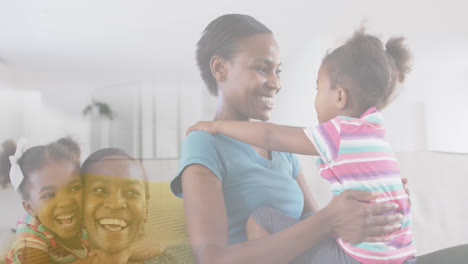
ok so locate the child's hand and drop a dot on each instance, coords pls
(208, 126)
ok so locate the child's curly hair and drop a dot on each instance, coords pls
(367, 69)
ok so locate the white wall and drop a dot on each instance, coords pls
(437, 183)
(26, 113)
(429, 112)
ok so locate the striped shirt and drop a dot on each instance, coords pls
(32, 234)
(354, 155)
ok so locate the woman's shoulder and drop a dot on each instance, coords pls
(201, 140)
(287, 156)
(199, 137)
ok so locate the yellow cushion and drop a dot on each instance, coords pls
(166, 224)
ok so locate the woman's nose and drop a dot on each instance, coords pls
(274, 83)
(115, 201)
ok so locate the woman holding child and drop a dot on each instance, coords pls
(224, 180)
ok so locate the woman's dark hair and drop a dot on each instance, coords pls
(367, 69)
(35, 158)
(221, 38)
(103, 153)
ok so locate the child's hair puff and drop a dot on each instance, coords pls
(8, 149)
(367, 69)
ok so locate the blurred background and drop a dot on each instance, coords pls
(123, 74)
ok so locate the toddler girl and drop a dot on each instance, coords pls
(49, 182)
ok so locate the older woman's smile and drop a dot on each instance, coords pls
(113, 224)
(114, 203)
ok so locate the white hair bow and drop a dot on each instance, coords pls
(16, 175)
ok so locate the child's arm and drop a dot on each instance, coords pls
(36, 256)
(33, 256)
(262, 134)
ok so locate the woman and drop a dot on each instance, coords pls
(223, 180)
(115, 206)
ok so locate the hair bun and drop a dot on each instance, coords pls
(71, 145)
(8, 149)
(397, 49)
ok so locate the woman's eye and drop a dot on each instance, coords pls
(48, 196)
(133, 193)
(99, 190)
(75, 188)
(278, 72)
(262, 69)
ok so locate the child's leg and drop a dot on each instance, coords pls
(254, 230)
(264, 221)
(327, 251)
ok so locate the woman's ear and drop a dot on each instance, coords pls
(29, 208)
(341, 98)
(145, 219)
(218, 68)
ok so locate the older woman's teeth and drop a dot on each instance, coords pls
(113, 224)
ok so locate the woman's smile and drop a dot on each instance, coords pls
(113, 224)
(268, 101)
(252, 80)
(114, 203)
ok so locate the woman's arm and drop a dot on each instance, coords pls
(207, 224)
(261, 134)
(142, 249)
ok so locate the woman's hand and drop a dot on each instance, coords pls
(99, 257)
(208, 126)
(405, 185)
(355, 220)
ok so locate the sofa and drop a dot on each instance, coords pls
(165, 224)
(437, 183)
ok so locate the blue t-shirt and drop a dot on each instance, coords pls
(249, 181)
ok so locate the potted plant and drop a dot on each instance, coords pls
(101, 116)
(102, 108)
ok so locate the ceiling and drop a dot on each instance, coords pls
(91, 39)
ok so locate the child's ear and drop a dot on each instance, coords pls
(341, 98)
(218, 68)
(29, 208)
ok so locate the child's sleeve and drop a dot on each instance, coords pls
(26, 237)
(326, 139)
